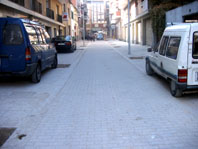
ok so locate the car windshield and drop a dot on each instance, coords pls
(68, 38)
(60, 38)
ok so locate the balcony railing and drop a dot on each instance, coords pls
(59, 18)
(20, 2)
(49, 13)
(36, 6)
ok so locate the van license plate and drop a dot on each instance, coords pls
(196, 76)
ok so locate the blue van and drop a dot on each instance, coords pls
(25, 49)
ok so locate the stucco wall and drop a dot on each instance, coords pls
(176, 15)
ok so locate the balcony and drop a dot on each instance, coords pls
(36, 6)
(59, 18)
(49, 13)
(20, 2)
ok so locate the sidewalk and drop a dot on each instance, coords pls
(79, 44)
(122, 47)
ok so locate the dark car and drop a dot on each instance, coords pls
(64, 43)
(24, 49)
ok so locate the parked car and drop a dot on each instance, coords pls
(24, 49)
(100, 36)
(176, 58)
(64, 43)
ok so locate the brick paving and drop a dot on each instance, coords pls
(108, 103)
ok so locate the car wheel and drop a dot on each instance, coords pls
(36, 76)
(55, 63)
(175, 91)
(149, 70)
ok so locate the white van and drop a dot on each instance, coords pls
(176, 58)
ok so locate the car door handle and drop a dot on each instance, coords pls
(4, 56)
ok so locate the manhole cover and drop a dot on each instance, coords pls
(137, 57)
(63, 65)
(5, 133)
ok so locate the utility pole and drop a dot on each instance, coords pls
(83, 25)
(129, 39)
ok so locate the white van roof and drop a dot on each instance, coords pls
(184, 27)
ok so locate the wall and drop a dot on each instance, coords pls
(176, 15)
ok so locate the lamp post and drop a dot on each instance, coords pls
(129, 37)
(83, 25)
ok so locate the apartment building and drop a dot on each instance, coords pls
(46, 12)
(115, 15)
(141, 24)
(140, 21)
(96, 16)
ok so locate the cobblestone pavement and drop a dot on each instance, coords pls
(109, 103)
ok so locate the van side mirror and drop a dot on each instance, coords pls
(149, 50)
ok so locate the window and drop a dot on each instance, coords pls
(173, 47)
(163, 45)
(20, 2)
(72, 15)
(39, 36)
(55, 33)
(12, 34)
(47, 3)
(195, 45)
(40, 8)
(57, 9)
(68, 12)
(32, 34)
(64, 7)
(47, 36)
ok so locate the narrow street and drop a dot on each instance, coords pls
(103, 100)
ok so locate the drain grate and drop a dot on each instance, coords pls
(137, 57)
(63, 65)
(5, 133)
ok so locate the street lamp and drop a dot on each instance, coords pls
(129, 44)
(83, 25)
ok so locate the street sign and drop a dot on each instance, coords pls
(65, 16)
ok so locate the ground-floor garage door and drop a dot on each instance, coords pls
(149, 33)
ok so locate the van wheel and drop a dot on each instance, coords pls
(149, 70)
(55, 62)
(36, 76)
(175, 91)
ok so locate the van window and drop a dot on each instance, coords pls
(195, 45)
(173, 47)
(163, 45)
(32, 34)
(12, 35)
(46, 34)
(43, 36)
(39, 35)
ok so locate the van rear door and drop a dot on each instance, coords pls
(193, 56)
(12, 46)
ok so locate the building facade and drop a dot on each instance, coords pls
(96, 16)
(46, 12)
(186, 13)
(140, 21)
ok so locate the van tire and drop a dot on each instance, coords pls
(149, 70)
(175, 91)
(55, 62)
(36, 76)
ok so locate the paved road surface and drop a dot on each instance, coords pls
(104, 101)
